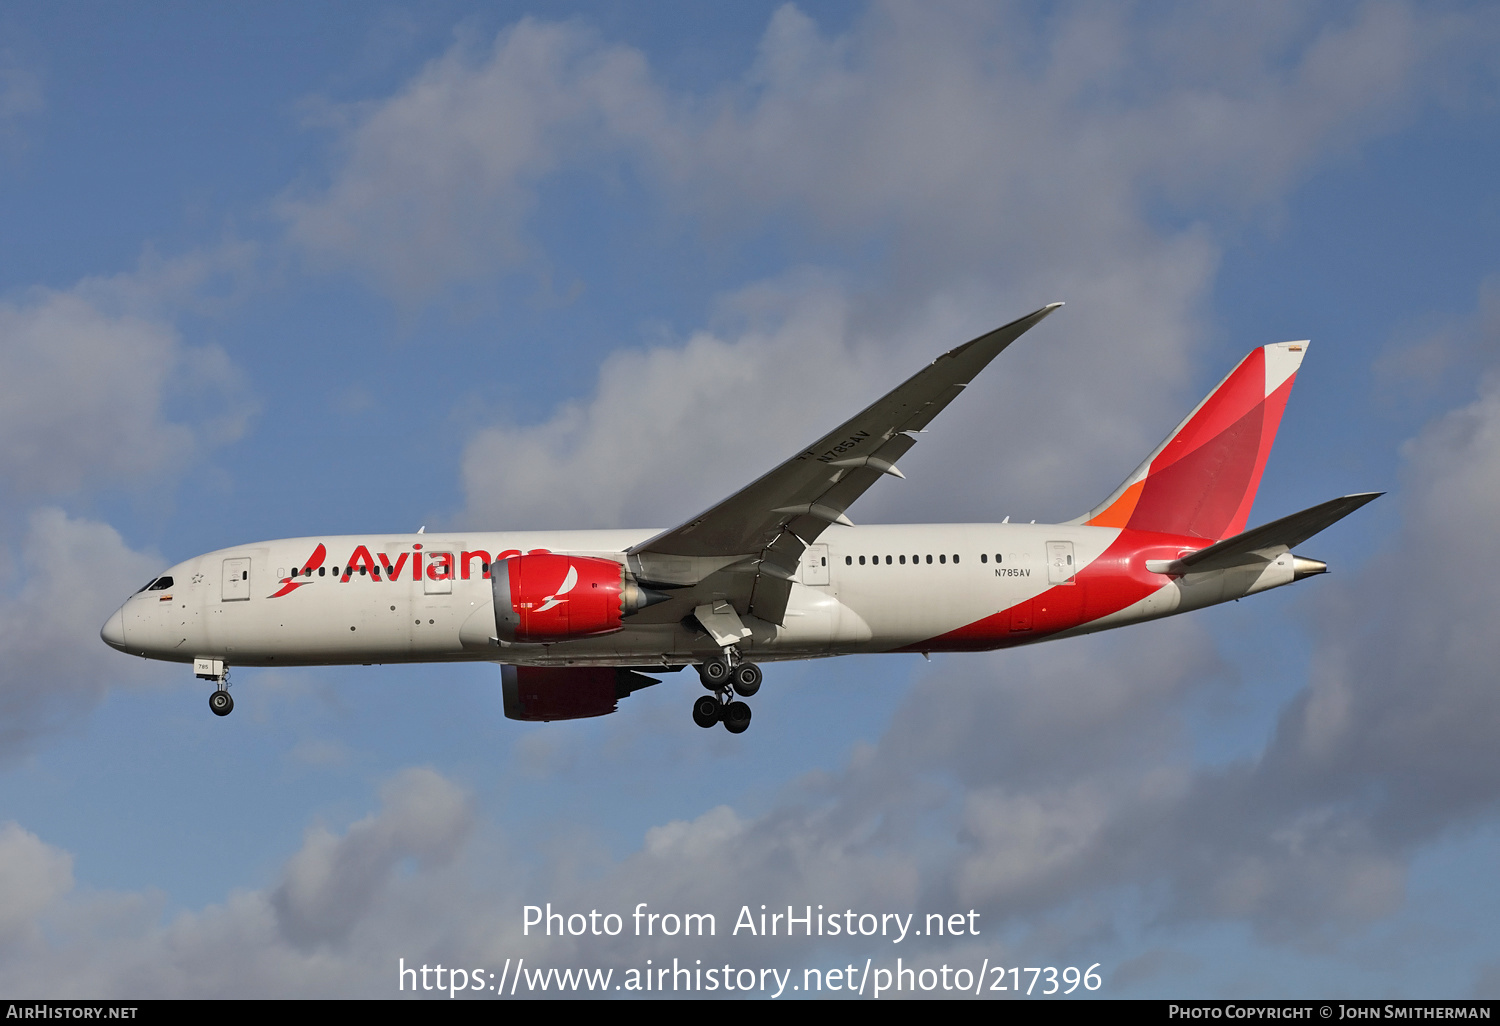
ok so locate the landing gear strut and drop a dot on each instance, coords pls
(722, 675)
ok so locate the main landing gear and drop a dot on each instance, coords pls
(721, 675)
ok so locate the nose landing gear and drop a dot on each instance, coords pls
(219, 701)
(721, 675)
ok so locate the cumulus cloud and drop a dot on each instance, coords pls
(436, 182)
(70, 575)
(671, 428)
(1009, 163)
(33, 875)
(977, 135)
(329, 884)
(301, 937)
(1406, 696)
(99, 393)
(98, 389)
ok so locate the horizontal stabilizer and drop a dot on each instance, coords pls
(1263, 544)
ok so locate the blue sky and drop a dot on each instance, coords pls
(287, 270)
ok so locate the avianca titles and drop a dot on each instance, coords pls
(578, 620)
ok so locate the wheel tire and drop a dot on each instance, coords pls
(714, 673)
(736, 717)
(706, 711)
(221, 702)
(747, 679)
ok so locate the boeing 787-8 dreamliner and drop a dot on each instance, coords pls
(579, 619)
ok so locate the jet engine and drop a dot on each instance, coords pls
(542, 693)
(547, 596)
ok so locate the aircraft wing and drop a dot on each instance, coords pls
(1264, 543)
(761, 531)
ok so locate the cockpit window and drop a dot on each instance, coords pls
(160, 584)
(147, 585)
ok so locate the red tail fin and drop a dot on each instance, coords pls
(1202, 480)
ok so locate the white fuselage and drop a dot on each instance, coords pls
(863, 589)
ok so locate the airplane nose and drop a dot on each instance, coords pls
(113, 631)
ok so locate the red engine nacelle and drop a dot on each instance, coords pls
(546, 596)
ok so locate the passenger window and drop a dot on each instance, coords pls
(955, 557)
(903, 560)
(942, 558)
(997, 557)
(861, 560)
(887, 560)
(848, 560)
(929, 558)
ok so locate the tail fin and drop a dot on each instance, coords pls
(1202, 480)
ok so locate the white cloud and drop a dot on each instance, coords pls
(301, 938)
(71, 574)
(329, 884)
(436, 182)
(32, 876)
(975, 133)
(98, 390)
(671, 429)
(98, 394)
(987, 150)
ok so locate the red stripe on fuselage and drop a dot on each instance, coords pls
(1114, 581)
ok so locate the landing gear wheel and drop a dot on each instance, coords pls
(736, 717)
(706, 711)
(221, 702)
(746, 679)
(714, 673)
